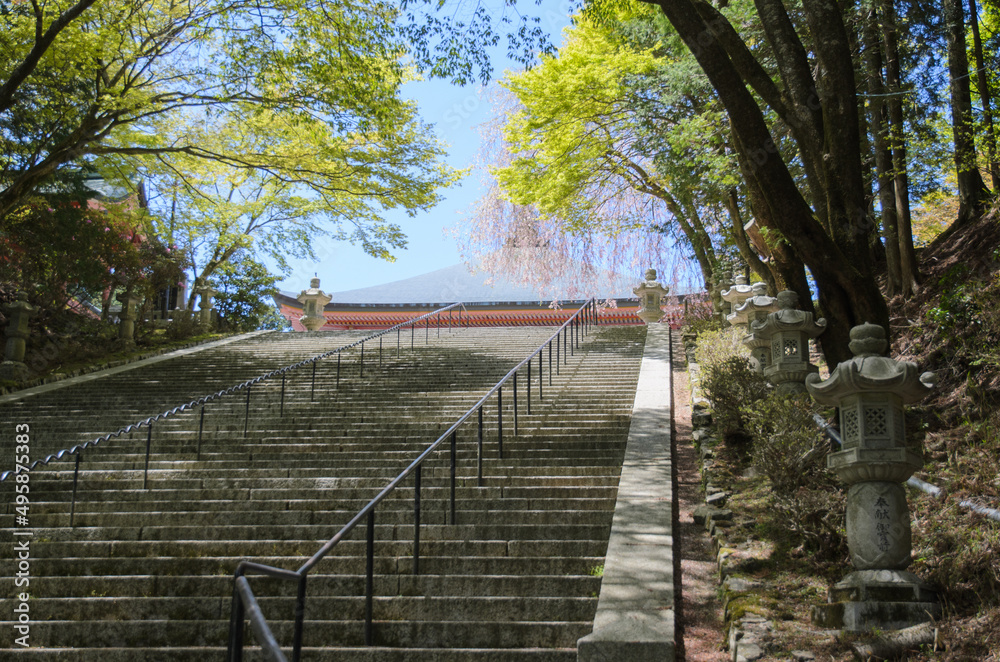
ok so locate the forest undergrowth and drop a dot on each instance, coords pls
(789, 508)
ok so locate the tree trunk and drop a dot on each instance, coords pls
(883, 154)
(743, 244)
(842, 269)
(972, 191)
(908, 265)
(982, 82)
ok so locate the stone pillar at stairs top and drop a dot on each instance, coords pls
(650, 293)
(313, 301)
(870, 391)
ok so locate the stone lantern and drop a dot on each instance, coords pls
(206, 292)
(650, 294)
(18, 312)
(737, 293)
(756, 309)
(870, 391)
(313, 301)
(126, 318)
(788, 330)
(723, 281)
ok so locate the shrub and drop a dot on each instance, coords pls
(789, 448)
(790, 451)
(716, 346)
(184, 325)
(729, 386)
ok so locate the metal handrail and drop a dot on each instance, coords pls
(148, 422)
(579, 322)
(913, 481)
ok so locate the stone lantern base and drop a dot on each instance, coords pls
(313, 322)
(883, 599)
(14, 371)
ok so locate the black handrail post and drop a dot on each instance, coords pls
(149, 441)
(416, 520)
(246, 420)
(282, 395)
(450, 311)
(398, 330)
(413, 327)
(454, 460)
(500, 421)
(558, 352)
(338, 369)
(76, 476)
(515, 403)
(201, 428)
(541, 376)
(479, 454)
(369, 577)
(362, 373)
(380, 351)
(427, 331)
(312, 392)
(439, 324)
(527, 387)
(300, 616)
(550, 363)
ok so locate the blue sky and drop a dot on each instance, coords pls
(455, 113)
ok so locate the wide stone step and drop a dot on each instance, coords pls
(402, 502)
(152, 633)
(320, 583)
(382, 532)
(389, 608)
(309, 654)
(384, 565)
(302, 549)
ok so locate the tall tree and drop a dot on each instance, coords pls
(109, 81)
(817, 101)
(985, 97)
(614, 129)
(908, 267)
(972, 191)
(879, 125)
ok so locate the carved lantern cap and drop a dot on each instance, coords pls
(315, 294)
(20, 305)
(739, 291)
(650, 285)
(758, 302)
(788, 318)
(870, 372)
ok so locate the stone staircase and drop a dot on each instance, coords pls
(147, 574)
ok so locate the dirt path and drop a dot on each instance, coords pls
(700, 617)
